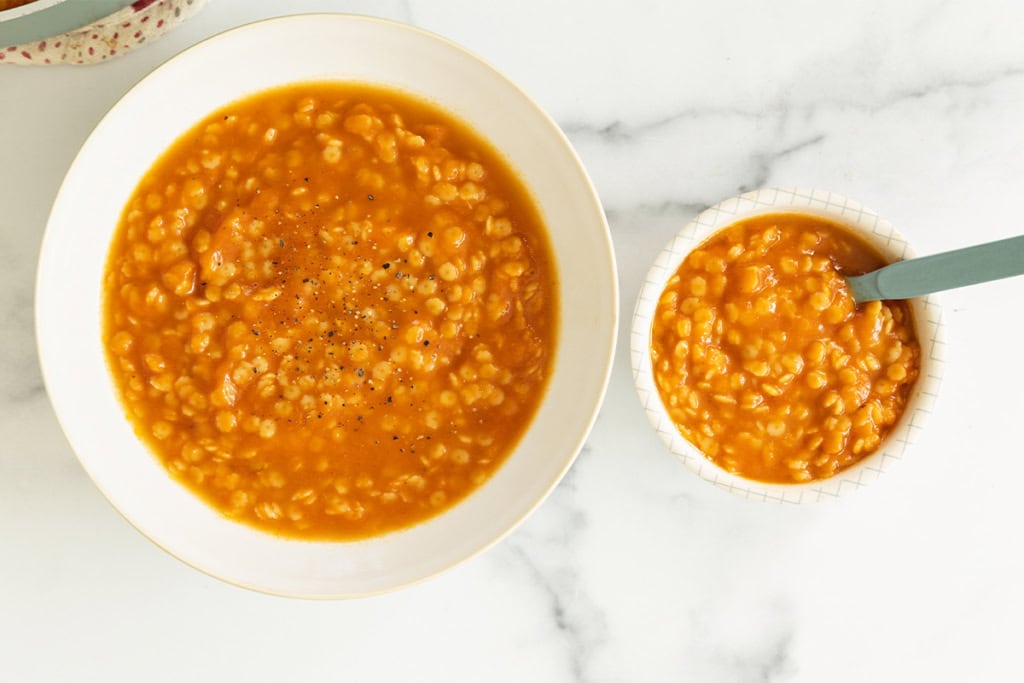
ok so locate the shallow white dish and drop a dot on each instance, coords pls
(838, 209)
(143, 124)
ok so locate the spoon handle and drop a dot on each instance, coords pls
(38, 23)
(948, 270)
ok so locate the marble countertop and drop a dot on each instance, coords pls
(634, 569)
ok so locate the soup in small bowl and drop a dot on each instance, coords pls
(756, 365)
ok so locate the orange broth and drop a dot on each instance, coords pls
(765, 363)
(330, 310)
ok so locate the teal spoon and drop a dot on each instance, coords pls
(29, 25)
(949, 270)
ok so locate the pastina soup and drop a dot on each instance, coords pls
(330, 310)
(764, 362)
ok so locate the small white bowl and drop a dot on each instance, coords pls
(167, 103)
(837, 209)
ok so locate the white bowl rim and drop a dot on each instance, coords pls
(606, 357)
(860, 220)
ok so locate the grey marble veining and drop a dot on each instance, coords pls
(633, 569)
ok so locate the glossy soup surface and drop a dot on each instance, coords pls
(11, 4)
(330, 310)
(764, 362)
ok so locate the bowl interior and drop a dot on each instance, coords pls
(837, 209)
(144, 123)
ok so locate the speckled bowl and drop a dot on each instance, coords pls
(166, 104)
(838, 209)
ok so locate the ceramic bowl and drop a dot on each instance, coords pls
(837, 209)
(167, 103)
(43, 18)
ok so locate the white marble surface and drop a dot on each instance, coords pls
(635, 569)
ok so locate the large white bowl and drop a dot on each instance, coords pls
(163, 106)
(877, 232)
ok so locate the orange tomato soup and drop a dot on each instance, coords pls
(765, 363)
(330, 310)
(11, 4)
